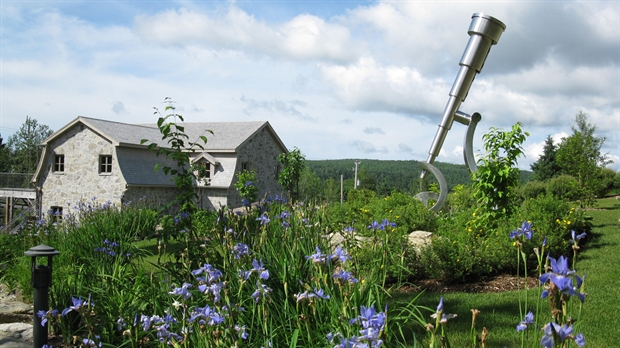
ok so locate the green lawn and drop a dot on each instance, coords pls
(599, 259)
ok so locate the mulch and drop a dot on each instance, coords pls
(499, 283)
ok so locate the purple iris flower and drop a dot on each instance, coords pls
(374, 226)
(340, 254)
(183, 290)
(264, 219)
(212, 274)
(554, 333)
(440, 305)
(317, 257)
(240, 250)
(259, 267)
(524, 230)
(261, 291)
(78, 303)
(562, 277)
(529, 319)
(345, 276)
(576, 237)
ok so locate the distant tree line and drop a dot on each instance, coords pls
(321, 178)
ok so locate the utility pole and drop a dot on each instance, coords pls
(341, 189)
(355, 182)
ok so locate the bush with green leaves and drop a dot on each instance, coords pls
(460, 198)
(462, 251)
(533, 189)
(564, 187)
(557, 218)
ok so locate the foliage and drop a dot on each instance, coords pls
(564, 187)
(310, 186)
(179, 151)
(463, 251)
(266, 278)
(497, 175)
(546, 167)
(387, 175)
(579, 155)
(5, 157)
(246, 186)
(606, 181)
(24, 145)
(294, 162)
(533, 189)
(460, 199)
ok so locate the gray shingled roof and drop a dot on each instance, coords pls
(227, 136)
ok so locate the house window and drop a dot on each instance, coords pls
(245, 166)
(59, 163)
(105, 164)
(55, 213)
(205, 171)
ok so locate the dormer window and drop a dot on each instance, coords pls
(59, 164)
(204, 166)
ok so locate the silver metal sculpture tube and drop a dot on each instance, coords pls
(484, 31)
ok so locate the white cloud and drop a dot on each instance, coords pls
(366, 85)
(304, 37)
(373, 130)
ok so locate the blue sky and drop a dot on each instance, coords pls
(337, 79)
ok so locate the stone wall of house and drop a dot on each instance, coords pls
(261, 154)
(155, 197)
(81, 180)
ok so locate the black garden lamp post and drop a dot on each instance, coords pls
(41, 282)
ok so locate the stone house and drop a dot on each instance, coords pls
(97, 158)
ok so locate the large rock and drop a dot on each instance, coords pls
(17, 331)
(420, 239)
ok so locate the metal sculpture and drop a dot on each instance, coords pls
(484, 31)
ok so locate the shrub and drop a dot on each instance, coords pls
(461, 198)
(464, 252)
(564, 187)
(533, 189)
(554, 218)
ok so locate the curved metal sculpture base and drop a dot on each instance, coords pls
(426, 196)
(468, 143)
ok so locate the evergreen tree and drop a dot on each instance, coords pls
(546, 167)
(5, 157)
(579, 155)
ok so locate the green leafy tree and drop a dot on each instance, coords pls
(178, 150)
(546, 167)
(294, 163)
(246, 186)
(310, 186)
(497, 177)
(24, 145)
(579, 155)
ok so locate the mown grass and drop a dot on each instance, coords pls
(599, 259)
